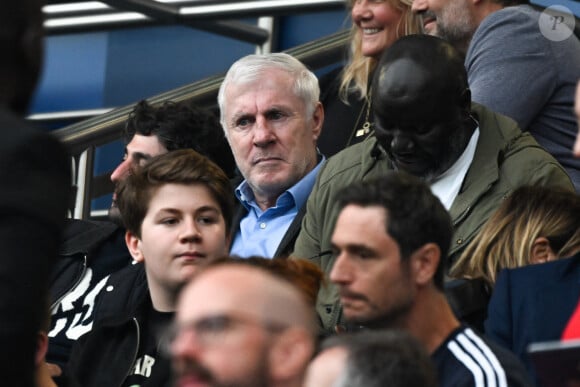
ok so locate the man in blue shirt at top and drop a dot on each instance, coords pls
(272, 117)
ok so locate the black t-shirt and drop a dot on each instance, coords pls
(151, 367)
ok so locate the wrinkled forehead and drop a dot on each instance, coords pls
(259, 76)
(408, 91)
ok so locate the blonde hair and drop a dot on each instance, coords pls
(355, 76)
(506, 240)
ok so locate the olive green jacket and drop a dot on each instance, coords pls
(505, 158)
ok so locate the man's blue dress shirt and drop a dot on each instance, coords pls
(261, 232)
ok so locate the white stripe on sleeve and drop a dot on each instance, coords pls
(490, 356)
(467, 362)
(480, 359)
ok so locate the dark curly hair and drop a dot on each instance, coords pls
(182, 125)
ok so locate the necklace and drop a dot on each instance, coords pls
(367, 126)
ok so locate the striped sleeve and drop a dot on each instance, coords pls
(477, 357)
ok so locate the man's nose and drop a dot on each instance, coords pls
(121, 171)
(263, 133)
(189, 231)
(341, 271)
(185, 346)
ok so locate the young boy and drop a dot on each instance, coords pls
(177, 210)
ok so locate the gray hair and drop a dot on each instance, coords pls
(249, 68)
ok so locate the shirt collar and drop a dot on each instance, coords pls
(299, 192)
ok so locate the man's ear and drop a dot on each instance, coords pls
(424, 263)
(317, 120)
(134, 246)
(541, 251)
(289, 355)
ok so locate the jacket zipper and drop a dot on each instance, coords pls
(135, 353)
(77, 282)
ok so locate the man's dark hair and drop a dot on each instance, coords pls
(414, 216)
(384, 358)
(182, 125)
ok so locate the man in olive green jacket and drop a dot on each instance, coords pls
(426, 125)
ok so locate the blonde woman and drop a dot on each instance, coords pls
(376, 25)
(533, 225)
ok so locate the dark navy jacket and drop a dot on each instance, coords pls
(533, 304)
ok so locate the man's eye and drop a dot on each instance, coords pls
(169, 221)
(275, 116)
(213, 325)
(207, 220)
(243, 122)
(365, 254)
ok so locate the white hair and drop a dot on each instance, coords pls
(250, 68)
